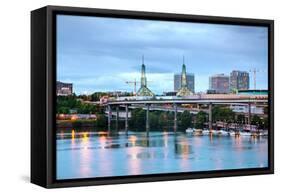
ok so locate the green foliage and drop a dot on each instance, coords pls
(101, 120)
(222, 114)
(154, 120)
(159, 119)
(138, 117)
(67, 103)
(240, 119)
(77, 124)
(185, 119)
(261, 122)
(163, 119)
(97, 95)
(200, 119)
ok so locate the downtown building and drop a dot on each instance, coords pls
(219, 84)
(190, 82)
(64, 89)
(239, 80)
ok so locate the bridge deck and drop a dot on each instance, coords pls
(189, 101)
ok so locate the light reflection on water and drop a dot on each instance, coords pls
(98, 154)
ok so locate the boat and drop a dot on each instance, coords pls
(198, 132)
(189, 130)
(223, 132)
(263, 133)
(245, 133)
(233, 133)
(206, 132)
(214, 132)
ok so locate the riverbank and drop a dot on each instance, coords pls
(77, 123)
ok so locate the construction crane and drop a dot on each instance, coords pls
(255, 71)
(135, 85)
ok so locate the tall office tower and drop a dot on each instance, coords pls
(219, 83)
(239, 80)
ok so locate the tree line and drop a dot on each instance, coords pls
(157, 119)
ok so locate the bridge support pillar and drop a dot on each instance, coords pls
(109, 117)
(210, 117)
(147, 120)
(117, 117)
(175, 118)
(249, 115)
(126, 120)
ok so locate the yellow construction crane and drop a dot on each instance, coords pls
(135, 85)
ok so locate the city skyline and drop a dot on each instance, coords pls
(87, 43)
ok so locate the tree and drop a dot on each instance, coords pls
(264, 123)
(138, 118)
(240, 119)
(163, 119)
(101, 120)
(67, 103)
(97, 95)
(201, 118)
(222, 114)
(154, 120)
(185, 120)
(260, 122)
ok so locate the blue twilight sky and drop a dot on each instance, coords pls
(101, 54)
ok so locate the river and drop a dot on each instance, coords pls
(97, 154)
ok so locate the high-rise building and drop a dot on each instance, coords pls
(219, 83)
(64, 89)
(190, 82)
(239, 80)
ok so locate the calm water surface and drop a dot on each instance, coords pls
(88, 154)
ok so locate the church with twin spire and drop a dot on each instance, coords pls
(145, 91)
(184, 91)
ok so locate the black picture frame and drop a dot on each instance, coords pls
(43, 98)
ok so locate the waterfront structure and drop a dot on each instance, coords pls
(239, 80)
(172, 93)
(258, 110)
(184, 91)
(219, 83)
(144, 91)
(190, 82)
(215, 99)
(64, 89)
(253, 92)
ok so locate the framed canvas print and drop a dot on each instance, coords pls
(125, 96)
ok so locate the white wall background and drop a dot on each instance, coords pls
(15, 94)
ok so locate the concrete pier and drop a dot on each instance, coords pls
(109, 117)
(147, 119)
(175, 118)
(210, 117)
(249, 115)
(126, 120)
(117, 117)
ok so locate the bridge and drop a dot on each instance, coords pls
(210, 100)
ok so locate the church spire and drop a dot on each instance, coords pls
(184, 91)
(183, 76)
(143, 76)
(144, 91)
